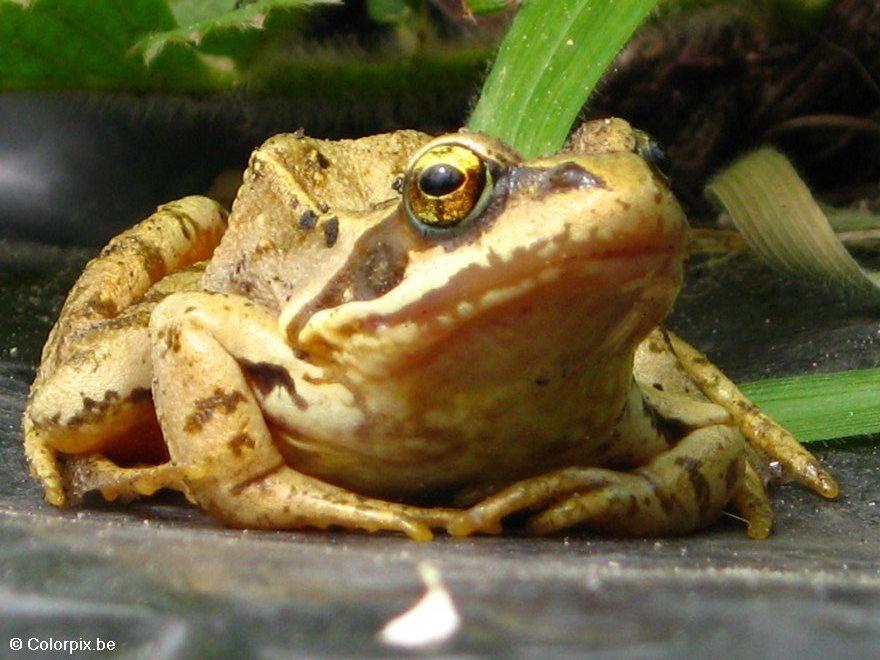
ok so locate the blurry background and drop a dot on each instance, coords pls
(105, 112)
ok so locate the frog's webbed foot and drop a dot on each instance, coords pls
(210, 416)
(767, 438)
(680, 490)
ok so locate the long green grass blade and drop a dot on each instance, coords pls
(822, 406)
(548, 63)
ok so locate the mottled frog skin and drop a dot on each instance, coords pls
(405, 333)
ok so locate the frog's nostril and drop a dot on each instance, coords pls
(653, 154)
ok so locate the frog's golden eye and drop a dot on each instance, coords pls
(446, 186)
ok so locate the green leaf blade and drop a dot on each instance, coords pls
(231, 31)
(779, 218)
(819, 407)
(548, 64)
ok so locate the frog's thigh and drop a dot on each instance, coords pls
(93, 382)
(98, 399)
(680, 490)
(762, 433)
(213, 422)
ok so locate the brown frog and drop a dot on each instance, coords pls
(406, 333)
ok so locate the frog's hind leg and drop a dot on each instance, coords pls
(765, 436)
(212, 419)
(93, 384)
(682, 489)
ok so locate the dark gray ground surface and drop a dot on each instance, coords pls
(161, 580)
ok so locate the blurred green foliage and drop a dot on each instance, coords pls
(170, 45)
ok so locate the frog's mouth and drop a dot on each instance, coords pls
(398, 328)
(470, 294)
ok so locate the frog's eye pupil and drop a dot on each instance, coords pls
(439, 180)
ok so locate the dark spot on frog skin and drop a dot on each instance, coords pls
(656, 346)
(150, 256)
(398, 184)
(185, 223)
(239, 442)
(102, 306)
(658, 387)
(93, 406)
(323, 207)
(541, 381)
(308, 220)
(382, 269)
(204, 408)
(701, 488)
(331, 232)
(131, 319)
(671, 429)
(732, 476)
(571, 175)
(323, 163)
(94, 409)
(633, 508)
(266, 377)
(542, 181)
(658, 489)
(170, 337)
(238, 489)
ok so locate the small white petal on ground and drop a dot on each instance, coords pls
(431, 621)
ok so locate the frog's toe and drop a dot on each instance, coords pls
(529, 494)
(617, 506)
(682, 489)
(753, 504)
(93, 472)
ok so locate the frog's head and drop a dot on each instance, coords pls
(504, 261)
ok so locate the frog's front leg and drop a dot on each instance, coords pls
(213, 356)
(764, 435)
(680, 490)
(91, 472)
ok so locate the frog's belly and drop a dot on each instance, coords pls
(433, 465)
